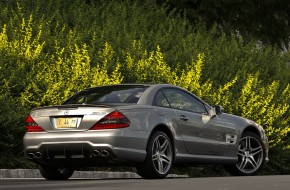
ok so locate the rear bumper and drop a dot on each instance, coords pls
(86, 148)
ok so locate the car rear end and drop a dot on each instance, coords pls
(90, 129)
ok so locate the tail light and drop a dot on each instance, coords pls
(113, 120)
(31, 125)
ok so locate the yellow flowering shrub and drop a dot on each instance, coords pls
(24, 45)
(63, 75)
(150, 68)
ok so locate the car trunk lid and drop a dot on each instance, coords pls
(69, 117)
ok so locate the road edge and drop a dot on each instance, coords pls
(34, 173)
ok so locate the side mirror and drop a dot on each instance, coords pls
(218, 109)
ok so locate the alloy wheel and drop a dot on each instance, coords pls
(162, 154)
(250, 154)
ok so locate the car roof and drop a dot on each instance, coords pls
(134, 84)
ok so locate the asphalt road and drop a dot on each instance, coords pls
(209, 183)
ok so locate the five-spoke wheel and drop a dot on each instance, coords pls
(159, 157)
(162, 154)
(251, 155)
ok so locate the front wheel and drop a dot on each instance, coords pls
(55, 173)
(251, 156)
(159, 157)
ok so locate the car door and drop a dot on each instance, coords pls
(202, 133)
(162, 108)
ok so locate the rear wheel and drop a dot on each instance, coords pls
(159, 157)
(251, 156)
(55, 173)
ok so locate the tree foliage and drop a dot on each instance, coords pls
(267, 21)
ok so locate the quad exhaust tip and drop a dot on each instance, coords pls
(36, 155)
(30, 156)
(98, 153)
(104, 153)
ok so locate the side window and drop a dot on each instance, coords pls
(183, 101)
(160, 100)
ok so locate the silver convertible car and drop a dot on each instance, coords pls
(150, 127)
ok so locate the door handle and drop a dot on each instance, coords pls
(183, 118)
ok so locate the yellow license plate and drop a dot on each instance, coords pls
(67, 122)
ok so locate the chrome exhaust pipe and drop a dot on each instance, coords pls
(30, 156)
(96, 153)
(104, 153)
(38, 155)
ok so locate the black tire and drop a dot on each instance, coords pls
(159, 157)
(55, 173)
(251, 156)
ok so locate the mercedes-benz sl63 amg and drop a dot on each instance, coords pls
(150, 127)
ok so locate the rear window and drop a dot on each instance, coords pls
(108, 94)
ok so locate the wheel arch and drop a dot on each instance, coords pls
(252, 129)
